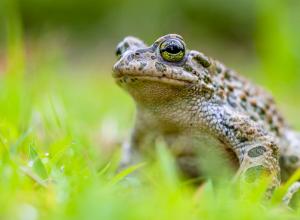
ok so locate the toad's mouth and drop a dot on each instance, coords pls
(125, 79)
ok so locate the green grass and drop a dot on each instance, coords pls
(59, 136)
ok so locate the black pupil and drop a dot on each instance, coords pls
(173, 47)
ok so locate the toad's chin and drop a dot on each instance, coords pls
(151, 89)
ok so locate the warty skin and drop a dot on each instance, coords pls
(191, 100)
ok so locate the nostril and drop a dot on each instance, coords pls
(118, 52)
(137, 53)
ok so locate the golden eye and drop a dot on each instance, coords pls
(172, 50)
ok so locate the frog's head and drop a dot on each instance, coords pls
(155, 70)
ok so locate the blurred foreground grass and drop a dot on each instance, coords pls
(57, 133)
(60, 131)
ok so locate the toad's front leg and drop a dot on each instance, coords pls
(254, 146)
(141, 137)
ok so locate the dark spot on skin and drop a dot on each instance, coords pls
(261, 111)
(227, 126)
(221, 94)
(269, 119)
(137, 53)
(253, 118)
(231, 101)
(267, 106)
(207, 80)
(293, 159)
(280, 119)
(187, 68)
(142, 66)
(203, 60)
(160, 67)
(255, 172)
(243, 139)
(126, 46)
(219, 69)
(275, 129)
(244, 98)
(130, 57)
(230, 88)
(253, 103)
(227, 75)
(275, 149)
(257, 151)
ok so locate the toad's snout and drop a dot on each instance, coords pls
(129, 43)
(123, 63)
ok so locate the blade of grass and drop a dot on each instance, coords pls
(121, 175)
(37, 164)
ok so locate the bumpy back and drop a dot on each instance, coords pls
(248, 98)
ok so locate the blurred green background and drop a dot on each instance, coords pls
(257, 38)
(62, 118)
